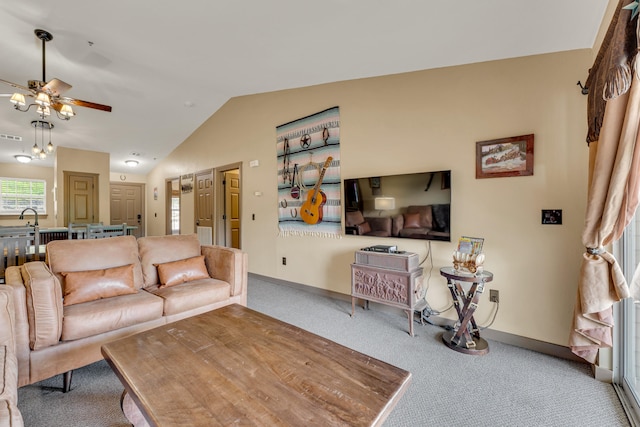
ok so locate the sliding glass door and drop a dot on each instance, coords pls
(627, 331)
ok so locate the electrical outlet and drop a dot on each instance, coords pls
(284, 260)
(494, 295)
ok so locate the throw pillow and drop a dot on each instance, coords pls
(184, 270)
(412, 220)
(91, 285)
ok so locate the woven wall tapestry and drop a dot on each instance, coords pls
(309, 175)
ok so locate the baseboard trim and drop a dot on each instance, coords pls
(503, 337)
(602, 374)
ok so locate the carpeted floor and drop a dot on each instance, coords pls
(509, 386)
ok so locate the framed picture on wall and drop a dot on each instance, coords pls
(186, 183)
(505, 157)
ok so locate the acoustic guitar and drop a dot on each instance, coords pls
(311, 210)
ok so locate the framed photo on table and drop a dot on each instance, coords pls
(505, 157)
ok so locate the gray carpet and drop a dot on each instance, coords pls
(509, 386)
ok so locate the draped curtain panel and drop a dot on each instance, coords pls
(614, 117)
(304, 148)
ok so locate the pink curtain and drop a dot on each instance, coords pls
(613, 195)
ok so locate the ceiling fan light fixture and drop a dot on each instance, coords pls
(43, 99)
(18, 99)
(48, 93)
(43, 111)
(22, 158)
(35, 149)
(67, 111)
(131, 163)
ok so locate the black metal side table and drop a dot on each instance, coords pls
(465, 337)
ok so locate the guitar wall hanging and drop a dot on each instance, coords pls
(311, 210)
(306, 205)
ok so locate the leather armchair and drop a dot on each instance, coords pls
(368, 226)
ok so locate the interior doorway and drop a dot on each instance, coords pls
(229, 206)
(127, 206)
(80, 197)
(172, 202)
(204, 193)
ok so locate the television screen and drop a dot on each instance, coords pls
(413, 206)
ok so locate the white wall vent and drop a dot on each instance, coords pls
(10, 137)
(205, 235)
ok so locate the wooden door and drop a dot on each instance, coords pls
(204, 199)
(81, 197)
(232, 209)
(127, 206)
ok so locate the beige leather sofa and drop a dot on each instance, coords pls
(429, 222)
(90, 292)
(9, 413)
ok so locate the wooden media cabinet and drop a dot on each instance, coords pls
(386, 278)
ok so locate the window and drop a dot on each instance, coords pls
(175, 215)
(17, 194)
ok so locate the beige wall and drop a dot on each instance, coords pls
(31, 171)
(127, 178)
(422, 121)
(73, 160)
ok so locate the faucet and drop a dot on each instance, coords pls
(29, 209)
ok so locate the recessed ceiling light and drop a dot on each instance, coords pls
(22, 158)
(131, 163)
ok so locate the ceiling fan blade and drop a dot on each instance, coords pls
(56, 87)
(87, 104)
(17, 86)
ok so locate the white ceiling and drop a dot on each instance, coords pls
(165, 67)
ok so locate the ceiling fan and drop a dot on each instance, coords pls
(48, 94)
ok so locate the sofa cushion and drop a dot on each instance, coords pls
(190, 295)
(10, 415)
(90, 285)
(185, 270)
(94, 254)
(156, 250)
(426, 215)
(104, 315)
(412, 220)
(44, 305)
(380, 226)
(415, 233)
(8, 375)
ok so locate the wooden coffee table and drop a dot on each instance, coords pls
(236, 366)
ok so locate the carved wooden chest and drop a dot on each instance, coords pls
(388, 286)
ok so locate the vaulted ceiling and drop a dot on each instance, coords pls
(165, 67)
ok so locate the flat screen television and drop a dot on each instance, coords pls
(412, 206)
